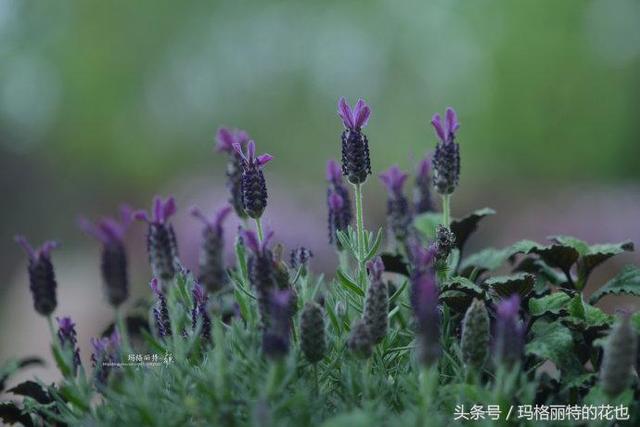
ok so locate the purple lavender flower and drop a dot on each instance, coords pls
(422, 200)
(446, 159)
(160, 310)
(275, 338)
(110, 232)
(338, 202)
(161, 239)
(509, 332)
(398, 211)
(42, 280)
(106, 352)
(427, 314)
(69, 339)
(199, 313)
(356, 165)
(212, 270)
(261, 270)
(225, 139)
(421, 258)
(376, 306)
(254, 187)
(299, 258)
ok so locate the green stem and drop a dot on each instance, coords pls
(360, 225)
(122, 329)
(428, 380)
(446, 214)
(315, 375)
(259, 228)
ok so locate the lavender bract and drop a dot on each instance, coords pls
(446, 158)
(225, 140)
(338, 202)
(356, 165)
(69, 340)
(275, 338)
(398, 209)
(254, 187)
(42, 280)
(162, 245)
(114, 266)
(106, 353)
(427, 314)
(160, 310)
(212, 270)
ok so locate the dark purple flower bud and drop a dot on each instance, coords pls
(356, 165)
(509, 332)
(110, 232)
(199, 313)
(427, 314)
(376, 307)
(261, 270)
(300, 258)
(446, 159)
(312, 333)
(275, 338)
(445, 242)
(106, 352)
(69, 339)
(226, 138)
(212, 270)
(398, 210)
(160, 310)
(42, 280)
(254, 187)
(422, 200)
(161, 239)
(360, 341)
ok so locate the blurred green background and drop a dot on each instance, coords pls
(108, 101)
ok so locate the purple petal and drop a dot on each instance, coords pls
(335, 201)
(90, 228)
(155, 287)
(221, 215)
(47, 247)
(424, 167)
(251, 151)
(251, 240)
(238, 148)
(158, 210)
(22, 241)
(197, 213)
(334, 174)
(452, 121)
(361, 113)
(126, 215)
(436, 122)
(141, 215)
(224, 140)
(268, 235)
(509, 308)
(344, 111)
(394, 179)
(264, 159)
(169, 208)
(65, 324)
(376, 268)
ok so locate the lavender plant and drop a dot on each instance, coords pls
(393, 338)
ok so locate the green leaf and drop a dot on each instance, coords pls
(373, 249)
(491, 259)
(597, 254)
(626, 282)
(505, 286)
(583, 316)
(553, 341)
(348, 283)
(426, 224)
(579, 245)
(457, 300)
(461, 284)
(345, 241)
(398, 292)
(555, 303)
(464, 227)
(60, 361)
(558, 255)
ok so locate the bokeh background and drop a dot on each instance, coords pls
(104, 102)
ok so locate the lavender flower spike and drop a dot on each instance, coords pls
(68, 339)
(398, 210)
(338, 202)
(254, 187)
(199, 313)
(42, 281)
(422, 200)
(226, 139)
(212, 270)
(275, 338)
(356, 165)
(427, 314)
(261, 270)
(110, 232)
(446, 159)
(509, 332)
(106, 352)
(161, 239)
(160, 311)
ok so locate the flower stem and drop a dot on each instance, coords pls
(446, 206)
(122, 329)
(259, 228)
(360, 224)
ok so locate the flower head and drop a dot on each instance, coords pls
(250, 238)
(355, 118)
(212, 270)
(226, 138)
(447, 131)
(42, 281)
(424, 299)
(249, 156)
(214, 223)
(509, 331)
(422, 193)
(312, 333)
(68, 339)
(162, 211)
(394, 180)
(44, 251)
(108, 230)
